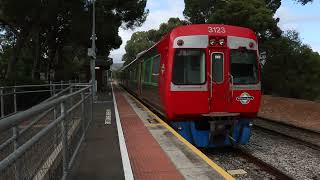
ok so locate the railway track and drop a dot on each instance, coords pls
(254, 167)
(263, 165)
(243, 165)
(304, 136)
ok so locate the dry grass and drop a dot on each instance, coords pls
(301, 113)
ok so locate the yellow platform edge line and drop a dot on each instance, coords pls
(151, 125)
(214, 166)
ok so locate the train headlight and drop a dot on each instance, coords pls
(251, 44)
(180, 42)
(212, 42)
(221, 42)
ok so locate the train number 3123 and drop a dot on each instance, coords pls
(219, 30)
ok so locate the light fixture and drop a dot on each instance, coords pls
(180, 42)
(212, 41)
(221, 42)
(251, 44)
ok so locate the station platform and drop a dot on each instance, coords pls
(137, 144)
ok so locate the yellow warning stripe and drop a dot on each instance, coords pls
(153, 124)
(215, 166)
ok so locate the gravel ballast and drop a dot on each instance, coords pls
(286, 154)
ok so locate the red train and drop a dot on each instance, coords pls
(205, 79)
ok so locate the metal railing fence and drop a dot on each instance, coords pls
(18, 98)
(42, 142)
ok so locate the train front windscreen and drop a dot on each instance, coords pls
(244, 66)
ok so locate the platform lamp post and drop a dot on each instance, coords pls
(92, 50)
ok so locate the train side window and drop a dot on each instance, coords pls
(147, 70)
(131, 74)
(142, 71)
(137, 74)
(155, 69)
(189, 67)
(134, 74)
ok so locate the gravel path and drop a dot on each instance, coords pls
(286, 154)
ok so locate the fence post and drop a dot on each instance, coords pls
(51, 93)
(53, 89)
(64, 140)
(17, 166)
(91, 107)
(83, 113)
(71, 103)
(1, 102)
(15, 100)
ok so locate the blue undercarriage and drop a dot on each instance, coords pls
(215, 133)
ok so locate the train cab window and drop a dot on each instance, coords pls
(244, 66)
(155, 69)
(217, 67)
(189, 67)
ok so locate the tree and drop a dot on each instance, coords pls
(143, 40)
(247, 13)
(56, 26)
(292, 68)
(200, 11)
(253, 14)
(139, 41)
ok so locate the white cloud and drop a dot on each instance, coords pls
(316, 48)
(159, 13)
(292, 20)
(303, 22)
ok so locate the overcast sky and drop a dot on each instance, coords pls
(304, 19)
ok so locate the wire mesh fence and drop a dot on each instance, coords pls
(42, 142)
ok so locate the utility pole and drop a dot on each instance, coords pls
(93, 49)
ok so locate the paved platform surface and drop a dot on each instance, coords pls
(100, 156)
(147, 159)
(153, 151)
(186, 160)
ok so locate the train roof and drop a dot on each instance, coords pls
(202, 29)
(213, 30)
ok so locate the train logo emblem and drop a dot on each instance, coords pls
(245, 98)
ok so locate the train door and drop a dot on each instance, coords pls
(219, 83)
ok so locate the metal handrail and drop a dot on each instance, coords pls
(32, 85)
(58, 94)
(35, 121)
(14, 156)
(22, 116)
(13, 91)
(39, 112)
(58, 83)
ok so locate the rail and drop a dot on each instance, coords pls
(43, 141)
